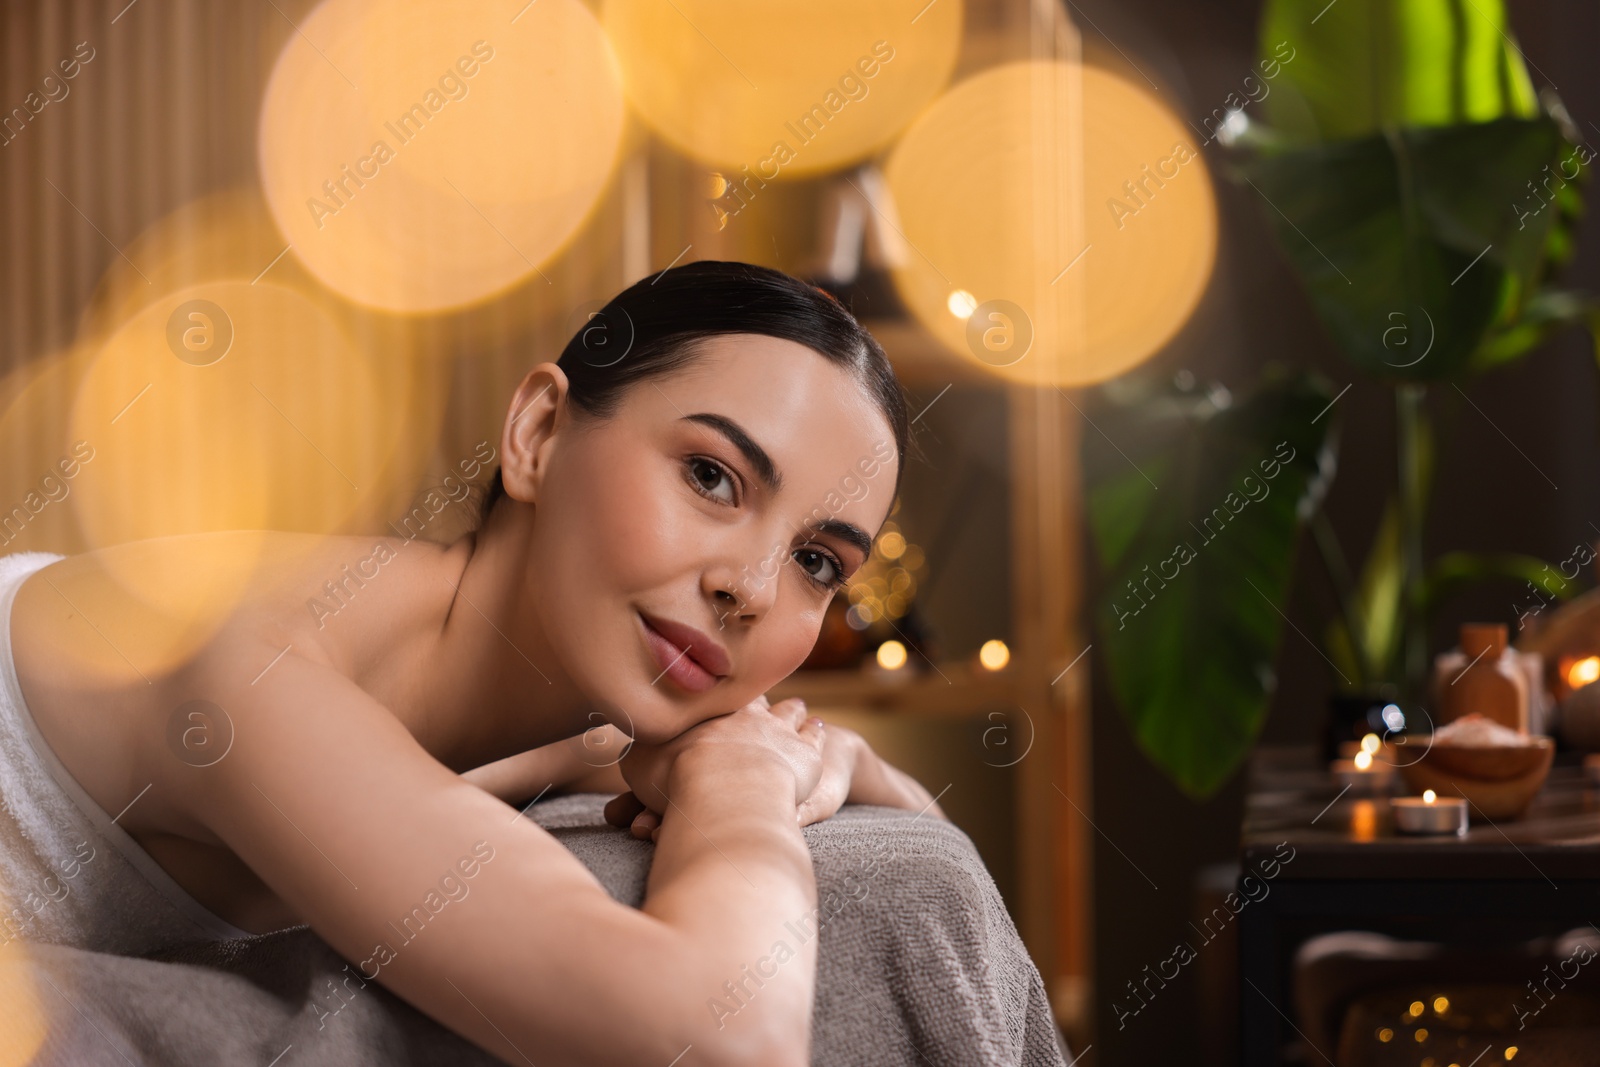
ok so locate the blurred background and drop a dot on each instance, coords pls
(279, 264)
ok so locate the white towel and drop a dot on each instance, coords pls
(68, 874)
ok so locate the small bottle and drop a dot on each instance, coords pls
(1542, 718)
(1483, 676)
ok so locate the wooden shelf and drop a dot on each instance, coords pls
(958, 691)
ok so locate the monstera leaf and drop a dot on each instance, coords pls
(1195, 514)
(1356, 67)
(1418, 243)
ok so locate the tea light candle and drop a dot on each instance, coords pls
(1370, 744)
(1362, 772)
(1430, 814)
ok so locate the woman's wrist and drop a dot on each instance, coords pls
(877, 782)
(869, 781)
(750, 775)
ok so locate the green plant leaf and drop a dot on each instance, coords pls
(1117, 511)
(1353, 67)
(1378, 609)
(1189, 617)
(1411, 243)
(1548, 313)
(1454, 571)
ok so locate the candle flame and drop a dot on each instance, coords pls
(1363, 760)
(1429, 796)
(1583, 672)
(1371, 743)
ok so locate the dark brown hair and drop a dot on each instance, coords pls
(650, 329)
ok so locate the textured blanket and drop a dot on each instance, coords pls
(919, 964)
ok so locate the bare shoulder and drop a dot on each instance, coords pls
(107, 645)
(154, 603)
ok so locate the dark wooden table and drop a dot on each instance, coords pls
(1324, 860)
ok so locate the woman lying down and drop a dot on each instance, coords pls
(663, 534)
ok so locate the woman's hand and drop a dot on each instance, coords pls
(759, 729)
(851, 772)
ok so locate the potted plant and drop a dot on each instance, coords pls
(1423, 195)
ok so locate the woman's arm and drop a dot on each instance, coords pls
(485, 922)
(586, 763)
(874, 780)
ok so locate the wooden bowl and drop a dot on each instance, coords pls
(1498, 782)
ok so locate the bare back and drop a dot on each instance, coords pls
(107, 645)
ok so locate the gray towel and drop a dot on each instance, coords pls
(68, 874)
(919, 964)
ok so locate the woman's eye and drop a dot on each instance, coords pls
(822, 568)
(708, 477)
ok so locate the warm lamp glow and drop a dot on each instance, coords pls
(1429, 796)
(891, 655)
(289, 429)
(29, 1020)
(1363, 760)
(994, 655)
(765, 91)
(1583, 672)
(962, 304)
(1363, 821)
(426, 157)
(1370, 744)
(1071, 205)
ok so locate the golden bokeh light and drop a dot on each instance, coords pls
(891, 655)
(227, 406)
(1583, 672)
(427, 157)
(1069, 204)
(42, 478)
(225, 234)
(22, 1005)
(994, 655)
(142, 607)
(279, 423)
(1363, 821)
(781, 89)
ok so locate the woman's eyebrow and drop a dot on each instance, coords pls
(754, 453)
(848, 532)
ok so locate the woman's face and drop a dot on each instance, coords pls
(688, 545)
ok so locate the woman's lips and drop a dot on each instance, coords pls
(678, 662)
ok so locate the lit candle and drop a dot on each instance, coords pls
(1362, 773)
(1430, 814)
(1369, 744)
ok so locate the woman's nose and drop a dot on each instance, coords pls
(746, 595)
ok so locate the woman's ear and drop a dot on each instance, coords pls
(538, 411)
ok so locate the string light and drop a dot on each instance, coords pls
(891, 655)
